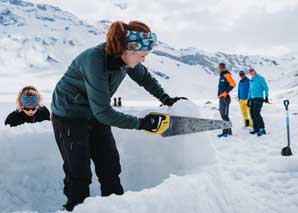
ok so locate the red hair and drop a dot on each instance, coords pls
(116, 41)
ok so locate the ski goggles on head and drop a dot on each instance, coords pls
(29, 101)
(140, 41)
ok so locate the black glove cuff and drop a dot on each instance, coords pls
(164, 97)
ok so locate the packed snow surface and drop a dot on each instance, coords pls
(193, 173)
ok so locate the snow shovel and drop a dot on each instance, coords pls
(286, 151)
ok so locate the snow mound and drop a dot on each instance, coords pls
(178, 173)
(183, 108)
(30, 163)
(149, 159)
(173, 174)
(202, 192)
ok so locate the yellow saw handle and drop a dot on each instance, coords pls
(163, 123)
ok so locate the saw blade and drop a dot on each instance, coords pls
(187, 125)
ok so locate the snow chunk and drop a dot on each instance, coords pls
(149, 159)
(183, 108)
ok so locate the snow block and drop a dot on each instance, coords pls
(149, 159)
(30, 169)
(177, 174)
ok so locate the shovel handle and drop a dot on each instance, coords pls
(286, 104)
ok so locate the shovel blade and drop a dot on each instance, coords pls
(286, 151)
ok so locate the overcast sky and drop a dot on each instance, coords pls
(267, 27)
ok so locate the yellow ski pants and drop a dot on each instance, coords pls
(245, 112)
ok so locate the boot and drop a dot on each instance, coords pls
(225, 133)
(254, 132)
(222, 135)
(261, 132)
(246, 123)
(229, 131)
(69, 206)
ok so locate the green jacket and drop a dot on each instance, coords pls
(87, 86)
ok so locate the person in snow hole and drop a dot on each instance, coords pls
(29, 108)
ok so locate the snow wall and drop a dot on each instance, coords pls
(171, 174)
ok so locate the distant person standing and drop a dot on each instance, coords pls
(243, 89)
(225, 86)
(119, 102)
(257, 89)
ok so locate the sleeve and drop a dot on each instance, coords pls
(265, 87)
(238, 91)
(249, 91)
(97, 87)
(246, 88)
(12, 120)
(7, 120)
(231, 82)
(46, 113)
(143, 78)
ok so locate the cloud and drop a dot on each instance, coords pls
(250, 27)
(274, 33)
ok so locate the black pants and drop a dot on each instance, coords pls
(79, 141)
(224, 107)
(256, 105)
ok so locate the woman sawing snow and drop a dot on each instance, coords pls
(82, 115)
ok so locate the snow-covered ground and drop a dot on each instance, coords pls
(193, 173)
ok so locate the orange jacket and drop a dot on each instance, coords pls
(226, 84)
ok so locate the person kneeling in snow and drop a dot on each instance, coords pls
(82, 113)
(29, 108)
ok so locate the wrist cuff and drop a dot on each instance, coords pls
(163, 97)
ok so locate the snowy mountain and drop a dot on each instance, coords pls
(209, 61)
(40, 40)
(46, 30)
(41, 35)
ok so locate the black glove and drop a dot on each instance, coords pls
(149, 122)
(266, 100)
(167, 100)
(249, 103)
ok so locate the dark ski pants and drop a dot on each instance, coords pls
(224, 107)
(80, 141)
(256, 105)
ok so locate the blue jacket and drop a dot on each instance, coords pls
(243, 89)
(226, 84)
(258, 87)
